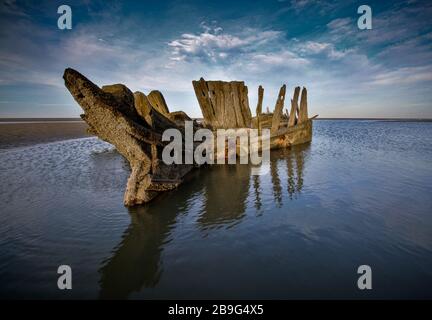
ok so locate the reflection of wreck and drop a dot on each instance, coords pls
(134, 123)
(227, 207)
(225, 194)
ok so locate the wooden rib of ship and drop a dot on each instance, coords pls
(134, 124)
(225, 105)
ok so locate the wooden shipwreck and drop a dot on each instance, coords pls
(134, 124)
(226, 105)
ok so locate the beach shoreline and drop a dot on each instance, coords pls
(26, 133)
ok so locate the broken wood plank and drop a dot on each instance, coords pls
(157, 100)
(203, 96)
(142, 104)
(230, 115)
(278, 110)
(259, 108)
(303, 115)
(294, 106)
(156, 120)
(223, 104)
(244, 103)
(235, 92)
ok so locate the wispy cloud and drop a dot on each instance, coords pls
(279, 59)
(403, 76)
(213, 44)
(326, 48)
(344, 26)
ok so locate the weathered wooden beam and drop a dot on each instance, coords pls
(259, 108)
(260, 100)
(223, 104)
(203, 96)
(294, 106)
(235, 93)
(156, 120)
(157, 100)
(231, 116)
(142, 104)
(244, 103)
(277, 114)
(121, 93)
(303, 115)
(159, 122)
(179, 117)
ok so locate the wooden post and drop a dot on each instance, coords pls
(303, 115)
(203, 96)
(278, 110)
(294, 107)
(259, 108)
(244, 100)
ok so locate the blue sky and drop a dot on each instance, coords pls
(164, 45)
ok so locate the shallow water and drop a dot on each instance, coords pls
(360, 193)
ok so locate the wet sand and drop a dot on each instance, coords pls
(20, 134)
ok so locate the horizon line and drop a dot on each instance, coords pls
(5, 119)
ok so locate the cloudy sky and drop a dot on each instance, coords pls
(164, 45)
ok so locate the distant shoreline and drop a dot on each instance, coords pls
(15, 133)
(40, 120)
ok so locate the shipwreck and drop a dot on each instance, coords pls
(134, 123)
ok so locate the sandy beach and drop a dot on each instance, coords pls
(20, 134)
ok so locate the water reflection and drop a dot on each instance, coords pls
(136, 261)
(294, 160)
(226, 192)
(221, 194)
